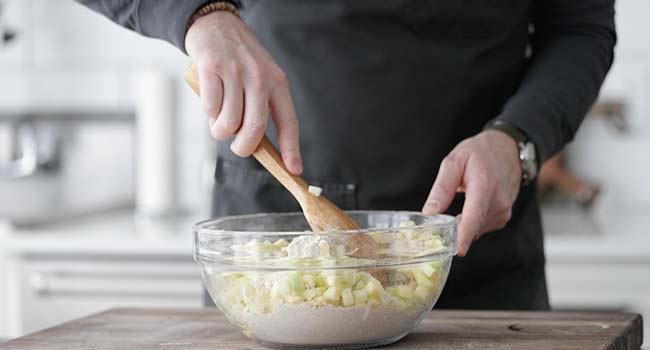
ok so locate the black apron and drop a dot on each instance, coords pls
(383, 91)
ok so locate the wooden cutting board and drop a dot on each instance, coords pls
(207, 329)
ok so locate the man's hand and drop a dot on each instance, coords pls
(241, 85)
(486, 167)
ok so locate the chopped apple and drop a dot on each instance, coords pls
(360, 285)
(404, 292)
(281, 242)
(333, 280)
(293, 299)
(423, 293)
(296, 285)
(348, 278)
(312, 293)
(428, 269)
(310, 281)
(422, 280)
(373, 287)
(332, 294)
(385, 298)
(347, 299)
(360, 296)
(315, 190)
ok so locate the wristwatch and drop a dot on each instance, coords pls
(527, 152)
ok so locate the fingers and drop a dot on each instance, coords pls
(230, 117)
(240, 83)
(211, 91)
(499, 214)
(284, 117)
(256, 111)
(450, 177)
(475, 208)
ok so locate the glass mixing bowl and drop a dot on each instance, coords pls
(286, 287)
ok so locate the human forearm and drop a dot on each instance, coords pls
(572, 52)
(162, 19)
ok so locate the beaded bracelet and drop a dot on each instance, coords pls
(213, 7)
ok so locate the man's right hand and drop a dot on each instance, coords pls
(241, 85)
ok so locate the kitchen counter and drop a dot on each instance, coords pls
(207, 329)
(117, 233)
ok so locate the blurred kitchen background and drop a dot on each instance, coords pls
(105, 161)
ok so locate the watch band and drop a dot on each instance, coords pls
(509, 129)
(527, 152)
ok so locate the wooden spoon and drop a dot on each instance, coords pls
(321, 214)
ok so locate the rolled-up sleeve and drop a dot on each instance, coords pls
(573, 49)
(162, 19)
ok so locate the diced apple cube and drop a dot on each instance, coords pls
(360, 296)
(385, 298)
(338, 250)
(333, 280)
(392, 290)
(401, 303)
(280, 288)
(348, 278)
(423, 293)
(346, 297)
(293, 299)
(373, 287)
(323, 248)
(312, 293)
(363, 276)
(360, 285)
(296, 285)
(310, 281)
(315, 190)
(404, 292)
(428, 269)
(422, 280)
(281, 242)
(332, 294)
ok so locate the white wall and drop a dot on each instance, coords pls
(621, 162)
(68, 56)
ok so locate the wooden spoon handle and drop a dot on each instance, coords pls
(265, 153)
(270, 158)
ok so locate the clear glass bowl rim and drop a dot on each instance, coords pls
(209, 256)
(199, 227)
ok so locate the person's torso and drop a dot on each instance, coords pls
(383, 91)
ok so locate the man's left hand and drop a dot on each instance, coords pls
(486, 167)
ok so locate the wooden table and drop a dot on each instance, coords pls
(135, 329)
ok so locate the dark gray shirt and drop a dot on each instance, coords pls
(385, 89)
(573, 44)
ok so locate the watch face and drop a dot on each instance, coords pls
(528, 151)
(528, 161)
